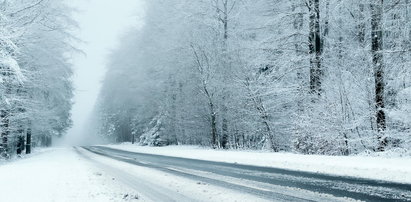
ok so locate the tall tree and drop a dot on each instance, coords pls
(35, 73)
(378, 63)
(281, 75)
(315, 47)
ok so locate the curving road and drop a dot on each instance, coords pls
(267, 183)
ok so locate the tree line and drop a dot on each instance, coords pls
(311, 76)
(35, 73)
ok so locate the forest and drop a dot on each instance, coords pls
(328, 77)
(35, 73)
(205, 100)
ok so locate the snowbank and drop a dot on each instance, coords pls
(395, 169)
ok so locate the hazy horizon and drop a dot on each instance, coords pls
(100, 33)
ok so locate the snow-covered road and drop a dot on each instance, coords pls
(154, 185)
(74, 174)
(104, 174)
(267, 183)
(391, 167)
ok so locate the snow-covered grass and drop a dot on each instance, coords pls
(386, 168)
(57, 175)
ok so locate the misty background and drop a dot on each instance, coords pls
(101, 23)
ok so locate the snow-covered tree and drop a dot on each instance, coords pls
(36, 73)
(317, 76)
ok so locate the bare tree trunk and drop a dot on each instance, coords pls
(213, 124)
(361, 25)
(203, 67)
(315, 47)
(5, 119)
(181, 130)
(226, 65)
(378, 62)
(213, 116)
(4, 125)
(20, 145)
(174, 112)
(269, 133)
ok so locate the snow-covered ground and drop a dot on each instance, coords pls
(395, 169)
(58, 175)
(76, 175)
(68, 174)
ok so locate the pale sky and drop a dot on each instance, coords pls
(102, 23)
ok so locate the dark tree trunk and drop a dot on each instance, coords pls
(213, 117)
(213, 126)
(174, 114)
(226, 65)
(327, 20)
(28, 141)
(20, 144)
(361, 25)
(5, 116)
(133, 138)
(4, 125)
(315, 47)
(225, 19)
(20, 140)
(378, 63)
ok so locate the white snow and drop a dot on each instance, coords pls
(57, 175)
(154, 185)
(403, 112)
(67, 174)
(395, 169)
(14, 68)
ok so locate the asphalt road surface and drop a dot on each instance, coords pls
(267, 183)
